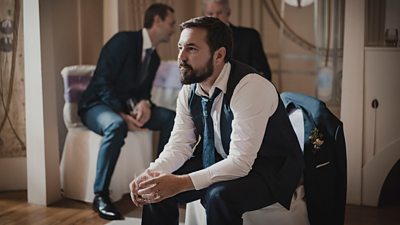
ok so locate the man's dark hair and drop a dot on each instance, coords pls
(218, 33)
(159, 9)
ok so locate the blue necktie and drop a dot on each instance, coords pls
(208, 135)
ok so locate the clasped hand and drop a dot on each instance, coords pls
(142, 113)
(154, 186)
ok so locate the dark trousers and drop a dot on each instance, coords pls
(104, 121)
(224, 202)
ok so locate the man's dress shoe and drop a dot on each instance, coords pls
(106, 210)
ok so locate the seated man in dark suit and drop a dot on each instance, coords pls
(247, 45)
(118, 98)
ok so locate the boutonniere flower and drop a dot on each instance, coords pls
(317, 139)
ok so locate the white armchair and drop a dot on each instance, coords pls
(79, 157)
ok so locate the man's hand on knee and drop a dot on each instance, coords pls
(133, 124)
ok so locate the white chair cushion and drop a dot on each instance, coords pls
(273, 214)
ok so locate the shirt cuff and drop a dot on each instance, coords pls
(201, 178)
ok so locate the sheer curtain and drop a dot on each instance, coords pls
(129, 15)
(293, 65)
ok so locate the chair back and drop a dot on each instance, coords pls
(76, 78)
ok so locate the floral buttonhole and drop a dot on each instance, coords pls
(317, 139)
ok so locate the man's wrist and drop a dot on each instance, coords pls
(187, 183)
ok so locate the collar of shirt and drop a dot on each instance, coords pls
(221, 82)
(146, 42)
(297, 121)
(291, 107)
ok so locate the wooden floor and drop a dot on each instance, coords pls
(14, 210)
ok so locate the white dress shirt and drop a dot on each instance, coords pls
(146, 42)
(297, 121)
(253, 101)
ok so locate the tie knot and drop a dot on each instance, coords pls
(149, 51)
(207, 102)
(147, 54)
(215, 94)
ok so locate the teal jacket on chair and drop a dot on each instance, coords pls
(325, 173)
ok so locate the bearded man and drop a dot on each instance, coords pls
(232, 145)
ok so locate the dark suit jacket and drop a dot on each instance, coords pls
(117, 76)
(248, 48)
(325, 174)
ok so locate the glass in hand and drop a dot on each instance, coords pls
(131, 105)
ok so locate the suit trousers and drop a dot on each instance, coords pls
(104, 121)
(224, 202)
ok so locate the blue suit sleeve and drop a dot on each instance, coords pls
(104, 79)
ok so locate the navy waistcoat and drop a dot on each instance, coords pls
(279, 160)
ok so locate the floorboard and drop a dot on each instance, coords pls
(14, 210)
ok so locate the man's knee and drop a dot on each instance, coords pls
(216, 195)
(169, 116)
(117, 127)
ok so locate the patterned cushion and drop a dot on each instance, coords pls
(76, 78)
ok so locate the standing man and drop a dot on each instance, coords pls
(118, 98)
(248, 156)
(247, 45)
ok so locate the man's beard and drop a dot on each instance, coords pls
(191, 76)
